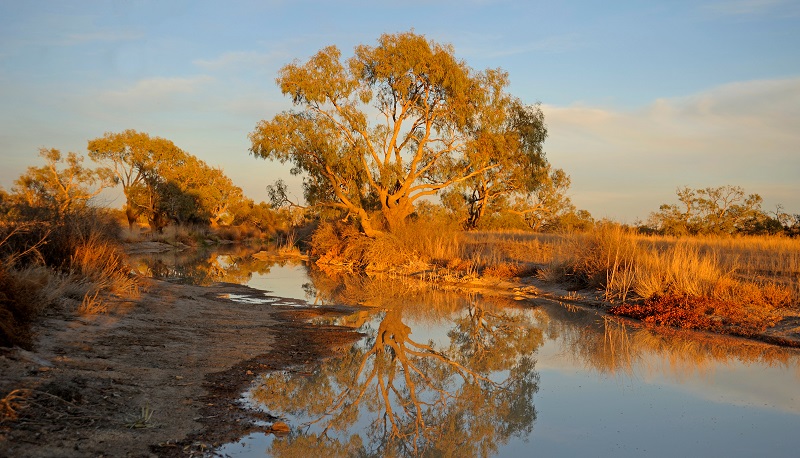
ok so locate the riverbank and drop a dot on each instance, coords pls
(786, 332)
(158, 375)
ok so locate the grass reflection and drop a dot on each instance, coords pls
(613, 345)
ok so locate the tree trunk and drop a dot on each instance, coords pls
(130, 214)
(396, 216)
(366, 224)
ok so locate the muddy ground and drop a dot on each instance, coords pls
(159, 376)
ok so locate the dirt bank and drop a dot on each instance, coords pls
(157, 376)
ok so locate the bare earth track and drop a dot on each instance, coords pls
(160, 376)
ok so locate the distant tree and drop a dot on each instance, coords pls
(721, 210)
(62, 184)
(792, 226)
(164, 183)
(136, 159)
(260, 215)
(576, 220)
(389, 126)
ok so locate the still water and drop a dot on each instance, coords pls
(444, 374)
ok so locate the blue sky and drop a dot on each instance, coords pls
(640, 97)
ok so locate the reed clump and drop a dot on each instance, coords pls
(406, 250)
(677, 283)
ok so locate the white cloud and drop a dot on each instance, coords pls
(625, 163)
(159, 93)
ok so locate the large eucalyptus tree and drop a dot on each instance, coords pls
(394, 123)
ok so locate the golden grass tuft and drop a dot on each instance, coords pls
(103, 263)
(12, 403)
(92, 304)
(503, 270)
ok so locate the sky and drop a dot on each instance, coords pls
(640, 97)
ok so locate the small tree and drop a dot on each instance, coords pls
(62, 184)
(136, 160)
(548, 202)
(507, 146)
(165, 183)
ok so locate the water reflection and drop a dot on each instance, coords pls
(463, 392)
(228, 263)
(460, 374)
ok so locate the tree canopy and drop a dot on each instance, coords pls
(720, 210)
(394, 123)
(164, 183)
(62, 184)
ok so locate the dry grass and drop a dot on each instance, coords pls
(53, 260)
(407, 250)
(12, 403)
(736, 284)
(92, 305)
(622, 262)
(698, 283)
(22, 298)
(103, 263)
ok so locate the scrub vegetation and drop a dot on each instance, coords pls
(60, 252)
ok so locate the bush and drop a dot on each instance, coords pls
(702, 312)
(22, 298)
(46, 254)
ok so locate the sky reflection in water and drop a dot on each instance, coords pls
(441, 373)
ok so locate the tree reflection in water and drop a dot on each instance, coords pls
(393, 395)
(233, 264)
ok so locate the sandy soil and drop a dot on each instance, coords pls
(182, 354)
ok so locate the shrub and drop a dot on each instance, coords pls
(503, 270)
(701, 312)
(102, 262)
(22, 298)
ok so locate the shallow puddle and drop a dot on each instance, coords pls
(443, 374)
